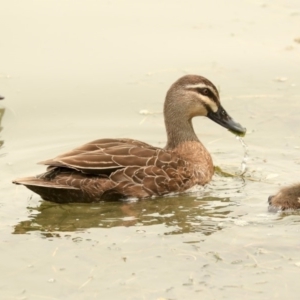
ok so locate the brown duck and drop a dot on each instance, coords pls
(110, 169)
(287, 198)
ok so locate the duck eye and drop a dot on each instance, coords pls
(204, 91)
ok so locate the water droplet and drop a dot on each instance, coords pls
(246, 155)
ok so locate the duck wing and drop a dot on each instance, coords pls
(105, 156)
(110, 169)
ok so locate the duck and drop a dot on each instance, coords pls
(112, 169)
(287, 198)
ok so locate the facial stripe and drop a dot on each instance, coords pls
(202, 86)
(208, 102)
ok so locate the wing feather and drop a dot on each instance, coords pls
(105, 156)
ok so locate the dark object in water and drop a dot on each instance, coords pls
(287, 198)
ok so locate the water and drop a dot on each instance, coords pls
(76, 71)
(2, 110)
(246, 155)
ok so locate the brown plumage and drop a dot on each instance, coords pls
(287, 198)
(110, 169)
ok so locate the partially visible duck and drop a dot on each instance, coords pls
(287, 198)
(109, 169)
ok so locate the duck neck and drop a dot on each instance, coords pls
(183, 141)
(179, 131)
(182, 138)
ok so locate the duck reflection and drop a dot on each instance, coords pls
(182, 214)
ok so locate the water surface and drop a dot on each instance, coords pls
(75, 71)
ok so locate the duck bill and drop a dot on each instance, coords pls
(222, 118)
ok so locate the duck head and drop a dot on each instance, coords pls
(192, 96)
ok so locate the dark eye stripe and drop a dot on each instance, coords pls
(204, 91)
(214, 98)
(212, 94)
(209, 94)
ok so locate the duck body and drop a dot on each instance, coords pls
(113, 169)
(287, 198)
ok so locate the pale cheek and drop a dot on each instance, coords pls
(213, 106)
(198, 110)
